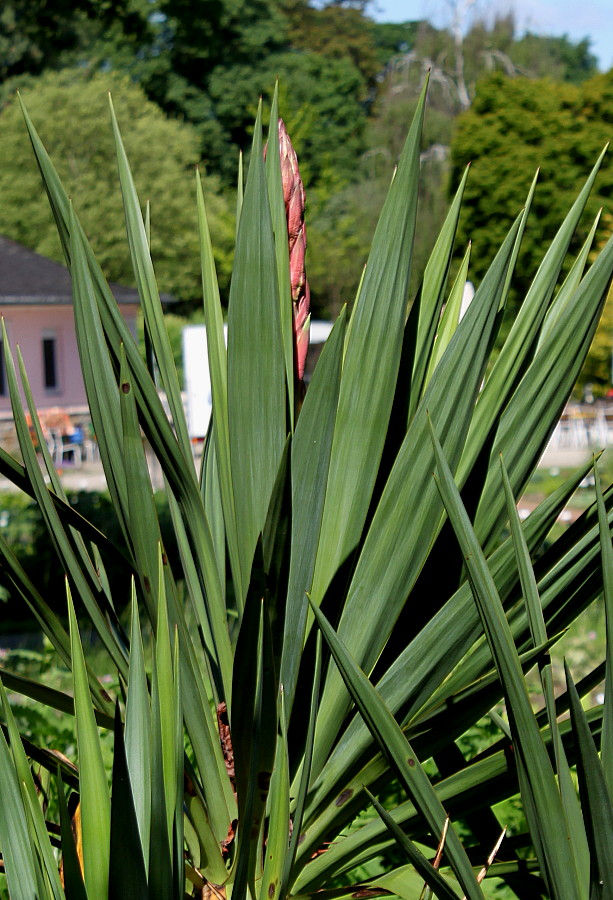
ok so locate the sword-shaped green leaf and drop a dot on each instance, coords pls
(519, 345)
(115, 333)
(606, 550)
(94, 789)
(595, 798)
(393, 554)
(534, 409)
(47, 866)
(399, 753)
(543, 806)
(254, 729)
(58, 534)
(148, 291)
(71, 867)
(218, 368)
(256, 368)
(423, 668)
(578, 849)
(432, 296)
(23, 872)
(277, 842)
(127, 874)
(138, 732)
(431, 876)
(309, 467)
(450, 317)
(370, 368)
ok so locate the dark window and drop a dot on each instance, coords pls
(49, 363)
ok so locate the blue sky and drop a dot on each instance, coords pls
(590, 18)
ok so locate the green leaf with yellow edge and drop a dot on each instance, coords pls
(94, 789)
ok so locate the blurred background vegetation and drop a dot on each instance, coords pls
(186, 76)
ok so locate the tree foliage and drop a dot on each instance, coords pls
(334, 31)
(86, 159)
(40, 34)
(348, 89)
(515, 127)
(495, 46)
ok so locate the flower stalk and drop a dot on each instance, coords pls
(294, 198)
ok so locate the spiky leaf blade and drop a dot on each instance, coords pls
(399, 753)
(127, 873)
(370, 367)
(95, 801)
(256, 369)
(544, 809)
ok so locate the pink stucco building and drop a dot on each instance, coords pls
(36, 303)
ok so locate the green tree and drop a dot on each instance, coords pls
(392, 38)
(555, 57)
(86, 158)
(40, 34)
(495, 47)
(334, 31)
(516, 126)
(598, 368)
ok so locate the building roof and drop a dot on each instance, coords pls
(28, 279)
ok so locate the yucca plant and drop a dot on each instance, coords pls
(340, 617)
